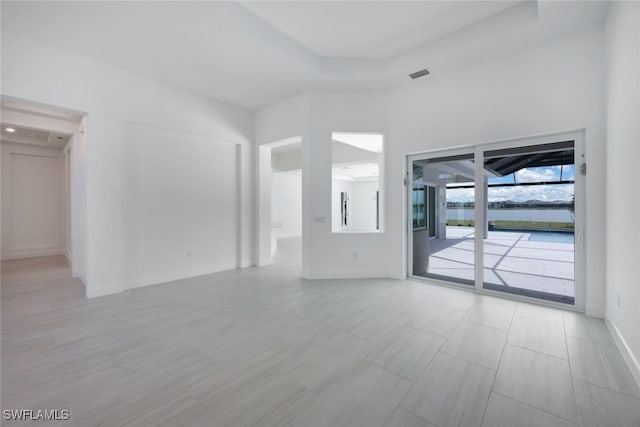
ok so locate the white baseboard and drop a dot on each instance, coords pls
(170, 277)
(264, 261)
(329, 275)
(632, 361)
(397, 274)
(154, 280)
(591, 311)
(91, 292)
(30, 253)
(80, 277)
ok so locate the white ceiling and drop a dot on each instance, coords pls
(371, 29)
(365, 141)
(287, 148)
(256, 53)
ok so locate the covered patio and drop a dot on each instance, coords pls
(517, 262)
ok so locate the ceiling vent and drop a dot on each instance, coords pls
(420, 73)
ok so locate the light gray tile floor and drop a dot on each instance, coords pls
(262, 347)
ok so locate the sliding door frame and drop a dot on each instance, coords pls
(577, 136)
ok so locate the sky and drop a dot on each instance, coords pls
(562, 192)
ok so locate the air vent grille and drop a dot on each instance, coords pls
(420, 73)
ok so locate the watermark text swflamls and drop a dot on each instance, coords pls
(36, 415)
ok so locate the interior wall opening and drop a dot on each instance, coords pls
(357, 174)
(280, 204)
(37, 148)
(42, 151)
(286, 205)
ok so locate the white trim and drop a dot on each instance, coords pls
(489, 292)
(631, 360)
(154, 280)
(102, 291)
(479, 217)
(594, 311)
(79, 276)
(332, 275)
(264, 261)
(436, 152)
(180, 275)
(31, 253)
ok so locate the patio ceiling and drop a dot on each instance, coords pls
(506, 162)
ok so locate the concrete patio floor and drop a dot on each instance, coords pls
(510, 260)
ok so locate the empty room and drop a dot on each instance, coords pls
(320, 213)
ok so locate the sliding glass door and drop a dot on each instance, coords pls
(529, 248)
(502, 217)
(442, 233)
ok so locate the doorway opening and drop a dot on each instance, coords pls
(501, 217)
(281, 204)
(42, 190)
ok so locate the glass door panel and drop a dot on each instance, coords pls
(442, 233)
(529, 244)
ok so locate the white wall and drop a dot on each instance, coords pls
(552, 87)
(623, 189)
(286, 203)
(288, 161)
(180, 205)
(363, 205)
(117, 102)
(33, 202)
(332, 255)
